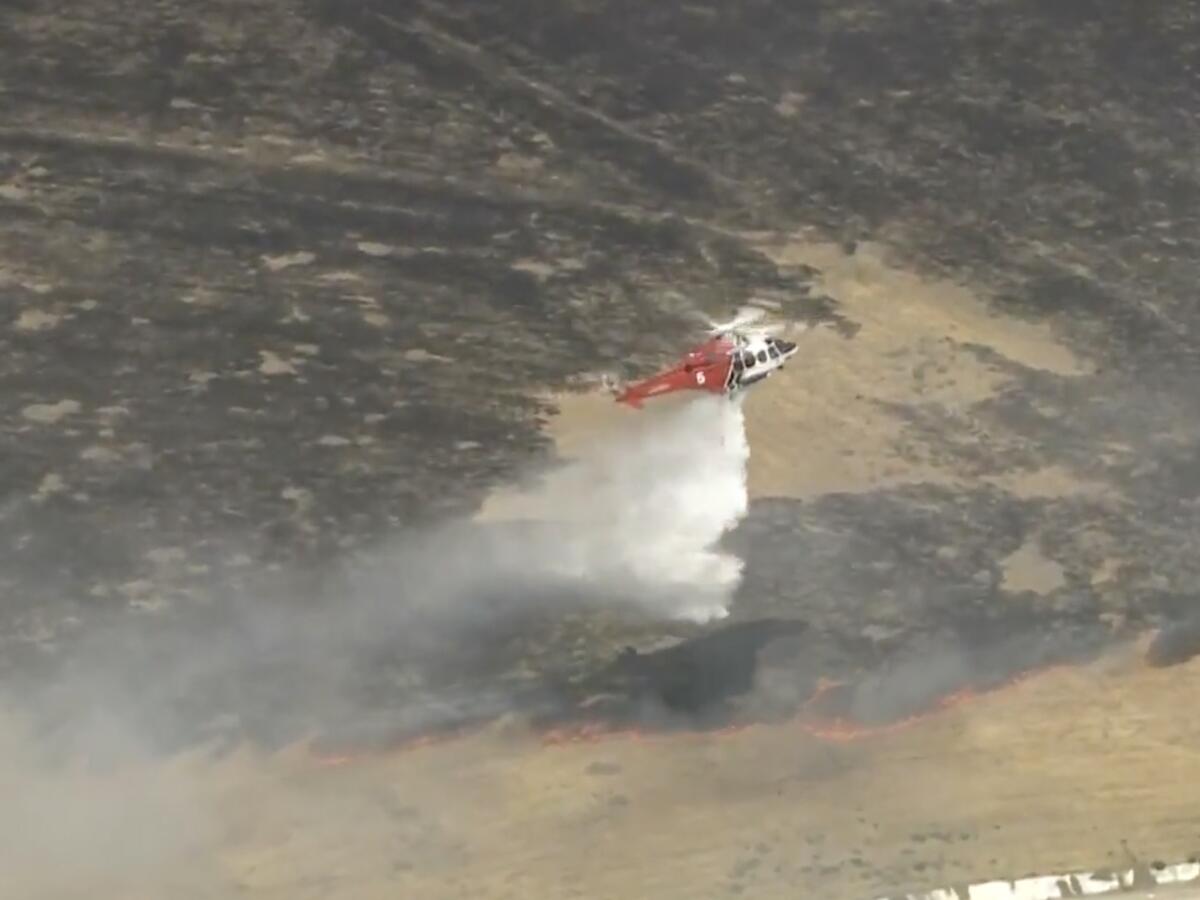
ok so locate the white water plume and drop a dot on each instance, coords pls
(645, 506)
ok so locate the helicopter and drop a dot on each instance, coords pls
(732, 359)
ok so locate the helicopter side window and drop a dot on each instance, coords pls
(748, 358)
(762, 356)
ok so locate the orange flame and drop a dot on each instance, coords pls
(332, 759)
(836, 729)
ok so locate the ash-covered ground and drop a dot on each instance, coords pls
(284, 286)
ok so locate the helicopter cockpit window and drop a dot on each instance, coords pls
(774, 353)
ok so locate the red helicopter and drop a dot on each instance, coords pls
(732, 359)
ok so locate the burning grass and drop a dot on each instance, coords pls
(827, 715)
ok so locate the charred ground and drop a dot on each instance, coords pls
(279, 281)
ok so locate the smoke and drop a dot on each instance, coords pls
(643, 510)
(909, 685)
(922, 672)
(134, 828)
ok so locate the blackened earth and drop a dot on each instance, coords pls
(282, 281)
